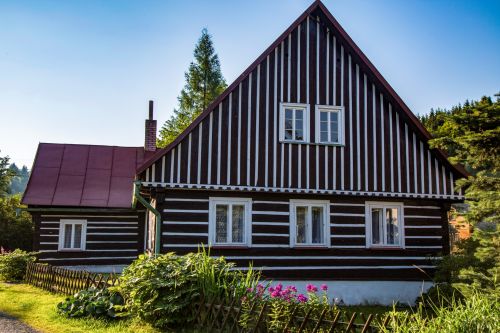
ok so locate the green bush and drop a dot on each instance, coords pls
(92, 302)
(13, 265)
(165, 290)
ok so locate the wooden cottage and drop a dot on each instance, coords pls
(309, 166)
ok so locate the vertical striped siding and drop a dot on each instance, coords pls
(382, 152)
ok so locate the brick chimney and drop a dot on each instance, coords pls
(150, 136)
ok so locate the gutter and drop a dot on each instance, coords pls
(145, 203)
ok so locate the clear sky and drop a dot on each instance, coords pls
(83, 71)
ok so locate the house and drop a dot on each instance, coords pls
(309, 166)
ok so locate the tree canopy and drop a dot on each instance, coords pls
(204, 82)
(470, 134)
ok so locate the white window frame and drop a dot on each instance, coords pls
(247, 237)
(325, 204)
(62, 226)
(305, 108)
(368, 223)
(341, 124)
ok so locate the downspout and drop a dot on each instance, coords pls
(145, 203)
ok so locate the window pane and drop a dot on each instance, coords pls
(238, 223)
(289, 114)
(323, 116)
(299, 125)
(288, 135)
(334, 137)
(317, 225)
(299, 135)
(334, 116)
(67, 236)
(376, 232)
(299, 114)
(288, 124)
(221, 223)
(77, 241)
(334, 126)
(392, 226)
(324, 137)
(323, 126)
(301, 213)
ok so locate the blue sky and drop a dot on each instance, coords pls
(83, 71)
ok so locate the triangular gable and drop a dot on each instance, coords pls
(359, 87)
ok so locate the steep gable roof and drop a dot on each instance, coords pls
(317, 5)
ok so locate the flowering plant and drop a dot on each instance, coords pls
(282, 302)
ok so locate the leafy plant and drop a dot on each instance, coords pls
(93, 302)
(165, 290)
(13, 264)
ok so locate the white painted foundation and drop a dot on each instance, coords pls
(98, 268)
(366, 292)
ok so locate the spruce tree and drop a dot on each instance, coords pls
(204, 82)
(470, 134)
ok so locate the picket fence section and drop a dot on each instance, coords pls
(66, 281)
(214, 317)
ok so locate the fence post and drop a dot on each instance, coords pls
(304, 322)
(261, 314)
(351, 322)
(367, 324)
(318, 324)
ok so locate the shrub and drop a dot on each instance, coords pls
(92, 302)
(13, 265)
(165, 290)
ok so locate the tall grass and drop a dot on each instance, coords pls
(217, 279)
(477, 313)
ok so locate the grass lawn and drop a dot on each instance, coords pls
(37, 308)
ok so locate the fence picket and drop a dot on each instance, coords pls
(63, 281)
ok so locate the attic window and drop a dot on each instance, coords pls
(72, 235)
(329, 124)
(294, 120)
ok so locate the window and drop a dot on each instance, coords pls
(72, 235)
(294, 122)
(229, 221)
(309, 223)
(384, 224)
(329, 124)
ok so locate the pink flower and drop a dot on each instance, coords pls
(292, 288)
(311, 288)
(301, 298)
(275, 294)
(249, 290)
(279, 287)
(271, 290)
(324, 287)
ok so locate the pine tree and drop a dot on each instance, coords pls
(470, 134)
(204, 82)
(6, 175)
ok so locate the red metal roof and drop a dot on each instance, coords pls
(83, 175)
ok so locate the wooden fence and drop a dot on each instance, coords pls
(66, 281)
(214, 317)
